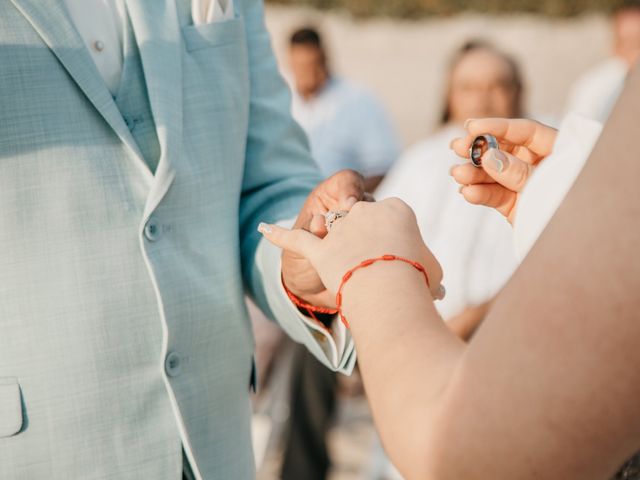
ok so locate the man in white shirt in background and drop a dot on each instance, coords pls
(595, 92)
(346, 125)
(347, 128)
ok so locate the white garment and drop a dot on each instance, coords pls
(347, 128)
(101, 25)
(553, 179)
(473, 244)
(595, 93)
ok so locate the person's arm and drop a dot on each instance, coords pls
(279, 173)
(550, 384)
(279, 176)
(465, 324)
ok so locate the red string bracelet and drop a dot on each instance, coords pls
(367, 263)
(310, 309)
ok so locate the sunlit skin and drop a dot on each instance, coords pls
(482, 85)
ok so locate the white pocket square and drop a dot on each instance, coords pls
(211, 11)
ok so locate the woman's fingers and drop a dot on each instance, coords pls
(297, 241)
(491, 195)
(512, 134)
(506, 169)
(467, 174)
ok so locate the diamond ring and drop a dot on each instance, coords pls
(332, 216)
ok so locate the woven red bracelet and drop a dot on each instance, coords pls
(367, 263)
(310, 309)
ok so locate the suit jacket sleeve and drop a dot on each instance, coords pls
(279, 174)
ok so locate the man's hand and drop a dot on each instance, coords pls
(339, 192)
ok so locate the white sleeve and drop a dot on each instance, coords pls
(334, 348)
(553, 179)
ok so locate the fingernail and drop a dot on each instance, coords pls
(496, 160)
(441, 293)
(467, 122)
(461, 188)
(351, 201)
(265, 228)
(452, 142)
(452, 169)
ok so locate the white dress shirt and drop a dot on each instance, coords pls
(101, 26)
(473, 244)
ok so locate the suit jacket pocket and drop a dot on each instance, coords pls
(10, 407)
(213, 34)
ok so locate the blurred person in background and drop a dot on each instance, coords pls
(346, 125)
(594, 94)
(347, 128)
(474, 245)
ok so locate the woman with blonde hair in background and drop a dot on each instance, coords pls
(473, 245)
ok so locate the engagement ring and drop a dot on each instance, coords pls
(331, 216)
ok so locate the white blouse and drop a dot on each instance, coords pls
(552, 180)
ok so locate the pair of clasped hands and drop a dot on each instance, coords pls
(314, 260)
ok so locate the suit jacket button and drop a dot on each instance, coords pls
(152, 230)
(173, 364)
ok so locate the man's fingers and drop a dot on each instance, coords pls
(347, 188)
(297, 241)
(467, 174)
(318, 226)
(492, 195)
(506, 169)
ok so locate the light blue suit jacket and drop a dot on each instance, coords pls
(123, 332)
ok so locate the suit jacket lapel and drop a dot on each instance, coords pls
(157, 30)
(51, 21)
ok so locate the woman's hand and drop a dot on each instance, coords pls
(504, 172)
(369, 230)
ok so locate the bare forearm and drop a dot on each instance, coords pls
(466, 323)
(406, 354)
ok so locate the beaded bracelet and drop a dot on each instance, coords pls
(367, 263)
(310, 309)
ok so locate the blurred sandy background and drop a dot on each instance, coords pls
(405, 62)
